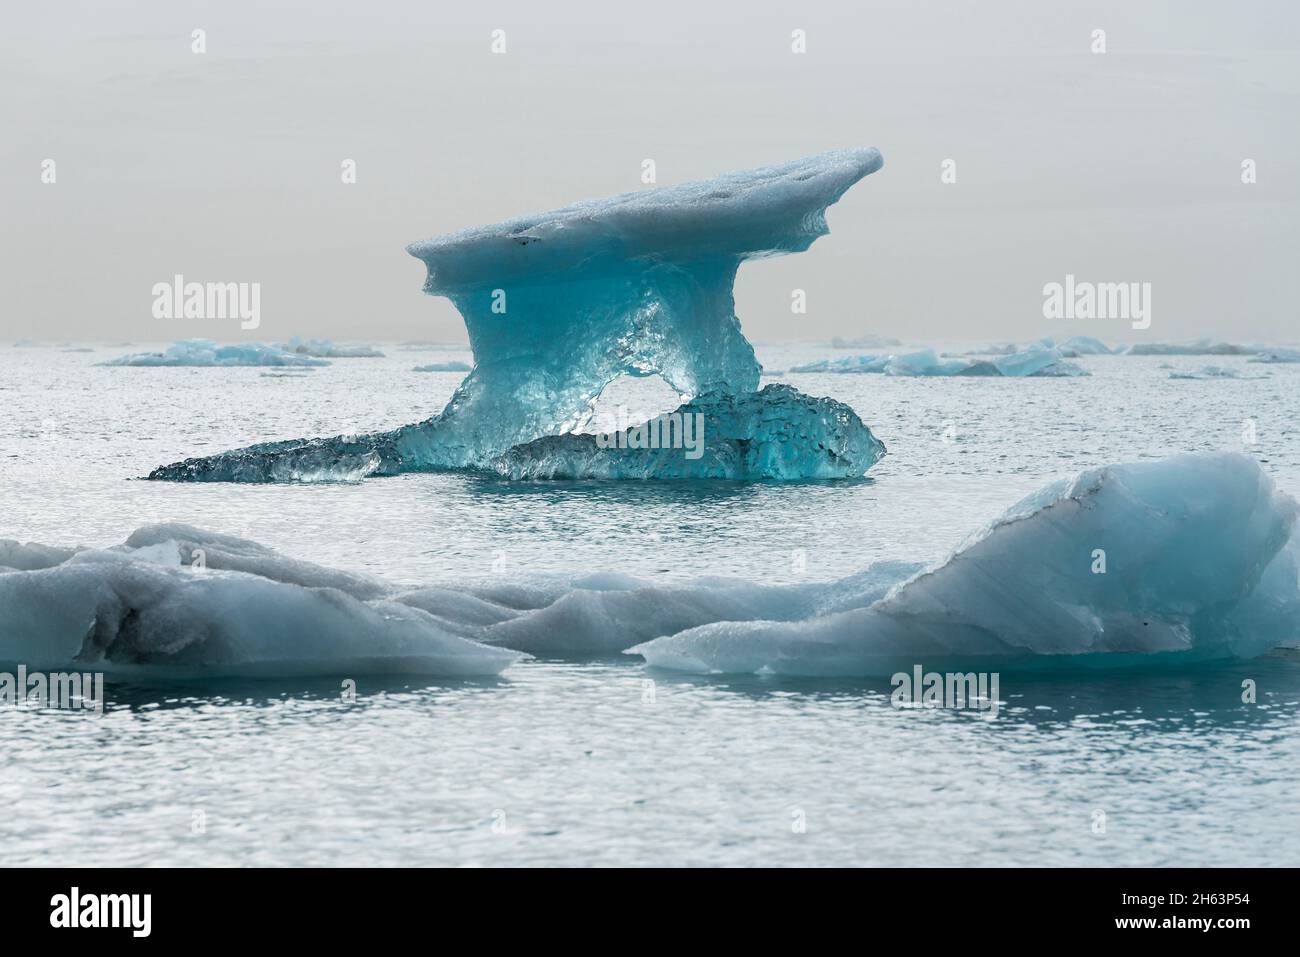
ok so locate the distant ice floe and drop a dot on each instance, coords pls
(178, 601)
(1034, 361)
(1201, 347)
(1083, 346)
(444, 367)
(1070, 348)
(205, 352)
(1213, 372)
(1277, 355)
(326, 349)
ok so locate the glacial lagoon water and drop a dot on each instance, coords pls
(605, 761)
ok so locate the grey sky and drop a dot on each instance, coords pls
(226, 166)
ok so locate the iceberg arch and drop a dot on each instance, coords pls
(559, 304)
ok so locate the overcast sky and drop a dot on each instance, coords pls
(225, 166)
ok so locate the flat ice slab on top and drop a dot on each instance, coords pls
(772, 209)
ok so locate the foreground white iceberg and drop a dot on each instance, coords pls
(205, 352)
(1156, 564)
(604, 614)
(560, 304)
(1153, 563)
(146, 608)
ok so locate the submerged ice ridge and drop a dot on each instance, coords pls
(560, 304)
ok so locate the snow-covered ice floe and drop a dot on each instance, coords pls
(925, 362)
(177, 601)
(205, 352)
(1184, 560)
(560, 304)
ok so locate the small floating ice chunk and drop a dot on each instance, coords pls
(1211, 372)
(453, 366)
(922, 363)
(846, 365)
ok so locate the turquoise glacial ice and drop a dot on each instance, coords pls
(778, 433)
(558, 305)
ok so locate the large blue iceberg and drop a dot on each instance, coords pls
(560, 304)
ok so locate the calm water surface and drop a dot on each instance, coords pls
(604, 761)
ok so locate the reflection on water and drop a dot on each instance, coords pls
(603, 762)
